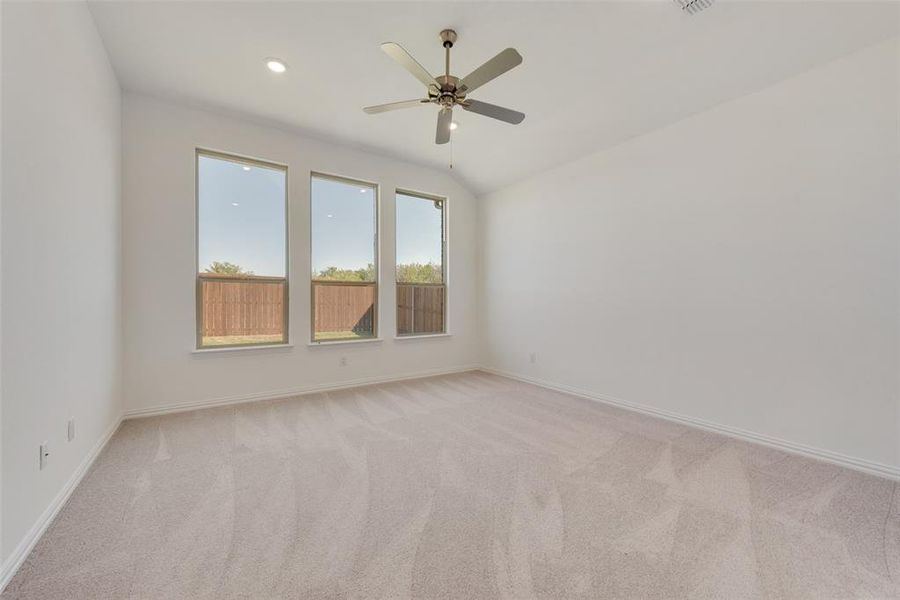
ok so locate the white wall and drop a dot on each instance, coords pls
(60, 253)
(740, 266)
(159, 220)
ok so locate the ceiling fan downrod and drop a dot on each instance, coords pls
(448, 38)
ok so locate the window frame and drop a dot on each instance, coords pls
(376, 247)
(445, 221)
(198, 293)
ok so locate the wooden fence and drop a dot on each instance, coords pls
(344, 307)
(420, 308)
(241, 305)
(247, 305)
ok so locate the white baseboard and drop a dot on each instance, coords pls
(25, 546)
(858, 464)
(288, 393)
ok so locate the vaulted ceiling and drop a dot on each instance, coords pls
(594, 74)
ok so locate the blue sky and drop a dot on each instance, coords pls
(419, 225)
(242, 221)
(241, 216)
(343, 224)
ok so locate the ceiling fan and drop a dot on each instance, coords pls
(448, 91)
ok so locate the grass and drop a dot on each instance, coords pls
(340, 335)
(242, 340)
(247, 340)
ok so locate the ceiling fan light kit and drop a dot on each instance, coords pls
(448, 91)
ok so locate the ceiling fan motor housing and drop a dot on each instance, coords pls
(447, 95)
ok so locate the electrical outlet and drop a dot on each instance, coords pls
(44, 456)
(70, 432)
(532, 357)
(343, 361)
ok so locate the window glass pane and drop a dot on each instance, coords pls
(343, 222)
(420, 240)
(242, 217)
(241, 251)
(421, 293)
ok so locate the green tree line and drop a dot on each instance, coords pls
(406, 273)
(227, 268)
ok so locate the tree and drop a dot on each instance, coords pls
(366, 273)
(406, 273)
(419, 273)
(227, 268)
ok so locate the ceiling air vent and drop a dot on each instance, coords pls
(692, 7)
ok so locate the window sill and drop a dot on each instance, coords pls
(343, 342)
(423, 336)
(213, 350)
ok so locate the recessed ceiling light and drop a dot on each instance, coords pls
(453, 125)
(329, 216)
(246, 168)
(276, 65)
(235, 204)
(363, 190)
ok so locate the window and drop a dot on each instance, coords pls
(344, 258)
(421, 278)
(242, 288)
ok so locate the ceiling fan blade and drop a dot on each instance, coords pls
(493, 111)
(373, 110)
(403, 58)
(495, 67)
(445, 117)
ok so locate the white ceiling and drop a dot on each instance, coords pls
(593, 74)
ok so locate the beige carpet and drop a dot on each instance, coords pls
(462, 486)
